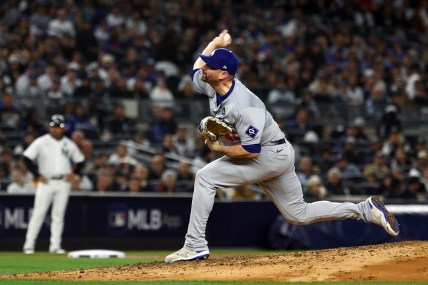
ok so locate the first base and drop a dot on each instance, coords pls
(96, 253)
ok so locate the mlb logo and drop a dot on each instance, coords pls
(117, 219)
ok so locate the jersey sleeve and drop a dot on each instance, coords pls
(200, 86)
(77, 156)
(250, 125)
(32, 150)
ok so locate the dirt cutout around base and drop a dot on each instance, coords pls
(401, 261)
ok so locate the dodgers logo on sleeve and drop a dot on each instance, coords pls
(252, 131)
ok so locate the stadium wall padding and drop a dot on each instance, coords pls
(127, 222)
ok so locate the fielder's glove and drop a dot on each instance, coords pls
(212, 128)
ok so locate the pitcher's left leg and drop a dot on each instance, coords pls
(286, 192)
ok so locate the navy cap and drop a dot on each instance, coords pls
(57, 121)
(223, 59)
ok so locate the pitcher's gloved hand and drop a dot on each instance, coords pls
(212, 128)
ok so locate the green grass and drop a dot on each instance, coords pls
(15, 263)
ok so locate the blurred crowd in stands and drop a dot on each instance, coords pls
(88, 59)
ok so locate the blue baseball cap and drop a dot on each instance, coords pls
(223, 59)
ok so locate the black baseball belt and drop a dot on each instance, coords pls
(278, 142)
(57, 177)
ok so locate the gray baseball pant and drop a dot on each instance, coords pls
(274, 171)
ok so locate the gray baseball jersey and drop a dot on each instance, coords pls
(273, 169)
(244, 112)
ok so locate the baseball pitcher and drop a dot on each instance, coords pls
(55, 160)
(255, 151)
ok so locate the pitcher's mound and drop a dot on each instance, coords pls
(401, 261)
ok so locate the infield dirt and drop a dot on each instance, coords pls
(400, 261)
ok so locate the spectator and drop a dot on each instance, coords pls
(334, 184)
(60, 26)
(27, 90)
(421, 163)
(160, 94)
(83, 184)
(322, 88)
(54, 96)
(86, 43)
(70, 81)
(414, 189)
(394, 140)
(115, 17)
(39, 21)
(424, 177)
(378, 167)
(168, 144)
(119, 88)
(157, 167)
(10, 112)
(401, 160)
(389, 122)
(243, 192)
(78, 137)
(391, 186)
(79, 120)
(104, 180)
(6, 158)
(280, 94)
(305, 170)
(120, 156)
(347, 169)
(185, 89)
(359, 125)
(185, 177)
(354, 95)
(420, 144)
(29, 137)
(316, 188)
(121, 181)
(139, 85)
(134, 185)
(184, 144)
(137, 143)
(350, 150)
(168, 182)
(412, 80)
(119, 123)
(93, 165)
(163, 123)
(32, 121)
(19, 185)
(300, 123)
(141, 173)
(45, 80)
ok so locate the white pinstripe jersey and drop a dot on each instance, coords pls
(54, 157)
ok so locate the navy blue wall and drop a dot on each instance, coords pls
(141, 222)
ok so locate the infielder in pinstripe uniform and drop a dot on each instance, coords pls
(54, 160)
(255, 152)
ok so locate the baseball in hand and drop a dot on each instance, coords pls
(227, 38)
